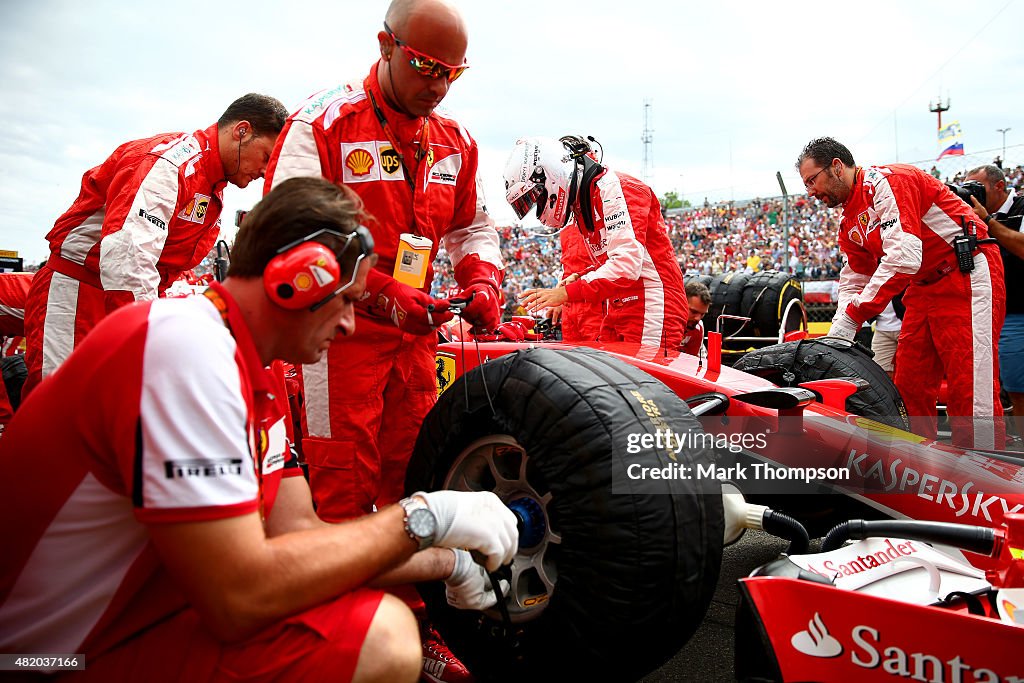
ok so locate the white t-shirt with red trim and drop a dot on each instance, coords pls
(154, 419)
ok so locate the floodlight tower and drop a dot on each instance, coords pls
(1003, 131)
(647, 138)
(938, 108)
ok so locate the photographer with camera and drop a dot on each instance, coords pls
(1002, 209)
(902, 228)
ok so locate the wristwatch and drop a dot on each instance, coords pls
(989, 218)
(420, 523)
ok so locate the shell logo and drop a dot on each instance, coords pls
(303, 281)
(359, 162)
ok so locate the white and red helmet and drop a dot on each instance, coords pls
(541, 172)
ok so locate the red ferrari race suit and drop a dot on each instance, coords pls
(581, 320)
(635, 266)
(147, 213)
(897, 230)
(134, 450)
(365, 400)
(13, 291)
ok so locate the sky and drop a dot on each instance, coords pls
(729, 92)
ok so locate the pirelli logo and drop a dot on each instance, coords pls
(155, 220)
(183, 469)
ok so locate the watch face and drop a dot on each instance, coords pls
(422, 523)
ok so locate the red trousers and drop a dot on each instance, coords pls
(951, 329)
(59, 311)
(320, 644)
(364, 403)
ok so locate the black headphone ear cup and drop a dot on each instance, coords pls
(284, 291)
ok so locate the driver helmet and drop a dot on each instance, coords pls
(540, 172)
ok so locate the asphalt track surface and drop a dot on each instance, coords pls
(709, 654)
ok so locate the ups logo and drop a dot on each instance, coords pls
(389, 160)
(201, 206)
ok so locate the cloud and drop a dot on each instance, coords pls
(736, 88)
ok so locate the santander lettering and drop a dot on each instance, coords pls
(869, 653)
(862, 563)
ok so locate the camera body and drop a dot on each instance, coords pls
(971, 188)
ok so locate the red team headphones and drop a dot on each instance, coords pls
(307, 274)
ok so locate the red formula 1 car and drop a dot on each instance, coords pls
(620, 540)
(884, 608)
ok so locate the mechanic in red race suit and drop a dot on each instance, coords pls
(143, 216)
(164, 531)
(898, 230)
(581, 320)
(632, 268)
(13, 292)
(415, 170)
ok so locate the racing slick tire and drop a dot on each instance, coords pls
(726, 299)
(807, 360)
(606, 585)
(764, 299)
(703, 279)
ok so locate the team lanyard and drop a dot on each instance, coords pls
(421, 151)
(260, 443)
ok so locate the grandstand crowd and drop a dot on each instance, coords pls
(709, 240)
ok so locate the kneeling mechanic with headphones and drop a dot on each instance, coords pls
(171, 434)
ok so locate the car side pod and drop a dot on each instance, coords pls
(788, 401)
(834, 392)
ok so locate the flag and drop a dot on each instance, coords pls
(949, 141)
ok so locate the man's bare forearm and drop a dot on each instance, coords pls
(432, 564)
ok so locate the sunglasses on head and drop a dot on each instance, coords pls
(425, 65)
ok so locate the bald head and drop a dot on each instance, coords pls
(430, 30)
(436, 16)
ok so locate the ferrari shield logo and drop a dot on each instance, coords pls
(445, 374)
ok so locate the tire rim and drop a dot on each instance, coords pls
(498, 463)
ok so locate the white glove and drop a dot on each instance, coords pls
(475, 521)
(469, 587)
(844, 327)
